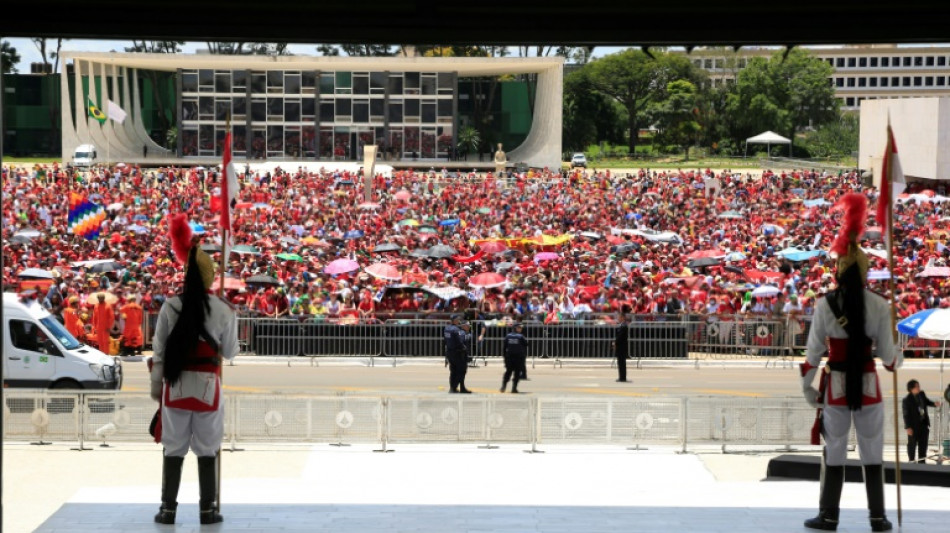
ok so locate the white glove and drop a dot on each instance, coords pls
(811, 396)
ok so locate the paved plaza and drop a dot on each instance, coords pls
(430, 487)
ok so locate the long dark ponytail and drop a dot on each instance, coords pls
(183, 340)
(851, 284)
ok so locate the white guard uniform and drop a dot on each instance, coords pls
(202, 425)
(837, 417)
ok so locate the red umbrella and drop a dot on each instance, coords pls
(384, 271)
(230, 284)
(403, 195)
(615, 239)
(488, 280)
(706, 253)
(243, 205)
(117, 238)
(492, 247)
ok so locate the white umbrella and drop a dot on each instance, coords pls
(766, 291)
(116, 206)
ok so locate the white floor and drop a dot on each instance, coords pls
(457, 488)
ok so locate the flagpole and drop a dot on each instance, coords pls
(886, 181)
(225, 251)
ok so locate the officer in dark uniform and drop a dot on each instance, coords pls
(516, 351)
(620, 347)
(457, 355)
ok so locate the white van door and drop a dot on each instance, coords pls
(31, 357)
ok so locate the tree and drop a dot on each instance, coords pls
(588, 116)
(158, 47)
(469, 141)
(248, 48)
(677, 116)
(635, 80)
(9, 58)
(357, 50)
(836, 138)
(783, 94)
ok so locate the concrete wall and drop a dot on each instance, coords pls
(921, 131)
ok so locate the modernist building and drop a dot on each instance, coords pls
(300, 107)
(870, 72)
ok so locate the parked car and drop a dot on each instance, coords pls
(578, 160)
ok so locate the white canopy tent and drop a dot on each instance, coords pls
(768, 138)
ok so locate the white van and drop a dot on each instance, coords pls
(84, 156)
(38, 352)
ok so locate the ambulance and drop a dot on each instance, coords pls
(38, 352)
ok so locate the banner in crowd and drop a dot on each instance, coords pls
(85, 217)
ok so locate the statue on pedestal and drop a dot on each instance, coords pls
(501, 160)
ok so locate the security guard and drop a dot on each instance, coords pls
(456, 353)
(516, 351)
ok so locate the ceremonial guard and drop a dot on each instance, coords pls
(195, 330)
(516, 351)
(456, 353)
(845, 325)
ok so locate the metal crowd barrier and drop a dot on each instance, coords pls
(114, 418)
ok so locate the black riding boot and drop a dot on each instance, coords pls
(832, 480)
(208, 489)
(504, 385)
(514, 386)
(171, 480)
(874, 485)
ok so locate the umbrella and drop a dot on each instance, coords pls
(246, 249)
(419, 252)
(341, 266)
(38, 273)
(266, 207)
(703, 261)
(402, 195)
(546, 256)
(111, 299)
(290, 240)
(492, 247)
(877, 275)
(117, 238)
(818, 202)
(449, 222)
(442, 251)
(504, 266)
(772, 229)
(353, 234)
(243, 205)
(210, 248)
(197, 228)
(368, 205)
(765, 291)
(730, 214)
(140, 217)
(138, 229)
(483, 210)
(384, 271)
(28, 233)
(934, 272)
(428, 229)
(105, 266)
(735, 256)
(230, 283)
(262, 280)
(928, 324)
(616, 239)
(409, 222)
(592, 235)
(290, 257)
(115, 207)
(488, 280)
(873, 233)
(298, 229)
(706, 254)
(21, 239)
(387, 247)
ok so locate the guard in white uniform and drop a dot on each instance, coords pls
(194, 333)
(845, 325)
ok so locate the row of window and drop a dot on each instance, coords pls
(306, 82)
(339, 109)
(887, 61)
(892, 81)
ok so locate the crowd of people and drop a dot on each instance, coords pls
(551, 245)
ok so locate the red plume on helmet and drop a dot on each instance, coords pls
(180, 233)
(855, 208)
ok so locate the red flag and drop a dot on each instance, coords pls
(892, 178)
(229, 185)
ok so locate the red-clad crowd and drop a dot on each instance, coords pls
(541, 245)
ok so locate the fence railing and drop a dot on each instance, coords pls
(122, 417)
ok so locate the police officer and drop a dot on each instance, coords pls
(516, 350)
(620, 347)
(457, 355)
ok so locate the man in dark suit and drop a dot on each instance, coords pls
(917, 421)
(620, 347)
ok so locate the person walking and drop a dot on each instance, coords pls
(917, 421)
(456, 355)
(194, 331)
(845, 325)
(132, 339)
(103, 317)
(516, 351)
(620, 346)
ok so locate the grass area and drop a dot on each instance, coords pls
(674, 162)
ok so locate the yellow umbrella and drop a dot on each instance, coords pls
(93, 298)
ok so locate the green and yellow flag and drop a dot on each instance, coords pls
(94, 111)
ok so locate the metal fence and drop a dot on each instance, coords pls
(42, 416)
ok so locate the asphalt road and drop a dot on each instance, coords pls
(751, 379)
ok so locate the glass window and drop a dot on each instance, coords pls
(446, 80)
(862, 61)
(275, 79)
(918, 61)
(308, 79)
(189, 109)
(361, 84)
(259, 110)
(258, 83)
(222, 82)
(27, 335)
(395, 112)
(239, 139)
(189, 82)
(839, 62)
(445, 107)
(219, 134)
(206, 108)
(907, 61)
(905, 81)
(275, 139)
(292, 84)
(292, 111)
(884, 80)
(259, 144)
(428, 111)
(929, 81)
(885, 61)
(412, 83)
(189, 142)
(239, 80)
(862, 82)
(412, 108)
(275, 107)
(850, 82)
(428, 143)
(326, 143)
(941, 81)
(872, 82)
(221, 109)
(377, 82)
(849, 101)
(852, 62)
(428, 85)
(361, 111)
(918, 81)
(930, 61)
(839, 82)
(205, 139)
(326, 83)
(239, 104)
(292, 142)
(395, 84)
(206, 78)
(326, 111)
(376, 108)
(344, 107)
(895, 81)
(873, 61)
(308, 108)
(344, 81)
(707, 63)
(308, 141)
(411, 140)
(941, 61)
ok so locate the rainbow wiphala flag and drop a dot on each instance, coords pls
(85, 217)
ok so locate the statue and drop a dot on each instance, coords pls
(501, 160)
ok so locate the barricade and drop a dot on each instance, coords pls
(288, 337)
(748, 421)
(611, 421)
(454, 419)
(661, 336)
(117, 416)
(41, 416)
(405, 338)
(333, 419)
(913, 347)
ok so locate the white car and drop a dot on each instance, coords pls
(578, 160)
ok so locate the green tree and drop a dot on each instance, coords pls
(635, 80)
(676, 117)
(589, 116)
(9, 58)
(469, 141)
(836, 138)
(247, 48)
(783, 94)
(356, 50)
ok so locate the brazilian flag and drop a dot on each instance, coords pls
(94, 111)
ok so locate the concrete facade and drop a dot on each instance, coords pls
(921, 129)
